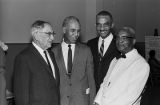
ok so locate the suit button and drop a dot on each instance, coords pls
(70, 84)
(67, 96)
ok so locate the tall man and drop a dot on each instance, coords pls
(103, 47)
(36, 75)
(77, 85)
(127, 74)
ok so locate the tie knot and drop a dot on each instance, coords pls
(103, 41)
(45, 52)
(69, 46)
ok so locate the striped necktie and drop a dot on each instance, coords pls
(101, 49)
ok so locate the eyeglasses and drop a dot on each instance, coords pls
(49, 33)
(124, 37)
(106, 25)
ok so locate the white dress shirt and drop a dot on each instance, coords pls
(124, 81)
(41, 51)
(107, 42)
(65, 52)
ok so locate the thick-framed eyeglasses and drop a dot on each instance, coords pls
(124, 37)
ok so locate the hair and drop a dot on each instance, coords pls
(130, 31)
(152, 53)
(68, 19)
(105, 13)
(38, 25)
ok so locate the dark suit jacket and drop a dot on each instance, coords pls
(34, 83)
(2, 78)
(73, 89)
(101, 67)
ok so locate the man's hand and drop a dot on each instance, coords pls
(95, 103)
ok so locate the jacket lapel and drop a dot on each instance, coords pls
(97, 50)
(42, 61)
(76, 54)
(110, 49)
(60, 59)
(55, 66)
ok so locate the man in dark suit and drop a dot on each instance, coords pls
(75, 62)
(36, 75)
(103, 47)
(3, 48)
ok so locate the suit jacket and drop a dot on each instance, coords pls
(124, 81)
(2, 78)
(101, 67)
(73, 90)
(34, 83)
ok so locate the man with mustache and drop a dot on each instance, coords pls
(103, 47)
(127, 73)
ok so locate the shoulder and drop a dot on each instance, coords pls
(1, 52)
(83, 46)
(25, 52)
(55, 46)
(91, 41)
(142, 63)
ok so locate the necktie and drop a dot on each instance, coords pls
(101, 49)
(45, 52)
(121, 56)
(69, 60)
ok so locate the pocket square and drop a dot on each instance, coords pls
(87, 90)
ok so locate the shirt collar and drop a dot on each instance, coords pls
(66, 45)
(131, 53)
(107, 39)
(38, 48)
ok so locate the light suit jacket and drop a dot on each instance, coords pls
(125, 81)
(79, 89)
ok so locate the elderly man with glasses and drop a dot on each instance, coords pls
(127, 74)
(36, 75)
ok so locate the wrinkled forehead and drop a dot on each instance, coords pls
(123, 33)
(47, 27)
(74, 24)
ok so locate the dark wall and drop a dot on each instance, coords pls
(15, 48)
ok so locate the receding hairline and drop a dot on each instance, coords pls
(69, 20)
(105, 13)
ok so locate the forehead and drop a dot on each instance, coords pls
(126, 33)
(103, 19)
(73, 25)
(123, 33)
(47, 27)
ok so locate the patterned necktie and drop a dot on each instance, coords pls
(101, 49)
(69, 60)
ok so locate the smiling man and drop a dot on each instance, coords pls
(103, 47)
(127, 74)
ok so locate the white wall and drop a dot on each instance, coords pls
(18, 15)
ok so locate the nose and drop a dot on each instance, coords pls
(76, 33)
(52, 37)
